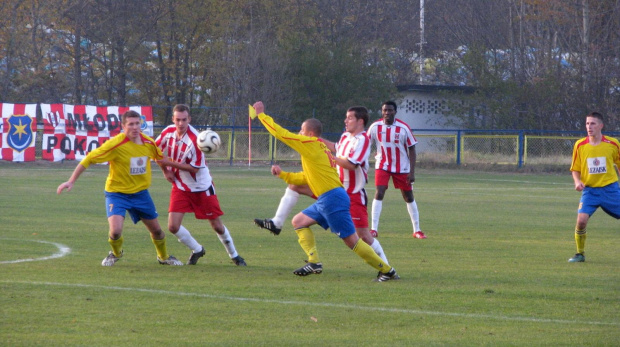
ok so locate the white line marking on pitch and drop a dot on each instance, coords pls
(326, 304)
(62, 251)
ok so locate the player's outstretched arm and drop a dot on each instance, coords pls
(74, 176)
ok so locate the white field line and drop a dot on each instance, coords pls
(324, 304)
(62, 251)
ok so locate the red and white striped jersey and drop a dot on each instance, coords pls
(392, 142)
(357, 150)
(185, 150)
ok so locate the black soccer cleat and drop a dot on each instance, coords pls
(383, 277)
(193, 259)
(239, 261)
(310, 268)
(268, 224)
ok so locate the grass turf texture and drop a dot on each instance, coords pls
(493, 270)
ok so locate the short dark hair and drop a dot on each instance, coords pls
(129, 114)
(596, 115)
(315, 126)
(180, 108)
(391, 103)
(361, 112)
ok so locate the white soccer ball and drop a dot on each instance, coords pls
(208, 141)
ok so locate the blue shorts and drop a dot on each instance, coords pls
(332, 210)
(607, 198)
(139, 205)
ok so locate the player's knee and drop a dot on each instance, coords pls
(115, 234)
(582, 221)
(298, 221)
(581, 225)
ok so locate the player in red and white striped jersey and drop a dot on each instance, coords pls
(192, 186)
(395, 158)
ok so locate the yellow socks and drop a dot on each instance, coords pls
(366, 252)
(308, 244)
(580, 240)
(160, 246)
(117, 246)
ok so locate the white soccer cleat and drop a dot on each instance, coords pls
(111, 259)
(170, 261)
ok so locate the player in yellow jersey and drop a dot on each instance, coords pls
(332, 207)
(129, 155)
(595, 177)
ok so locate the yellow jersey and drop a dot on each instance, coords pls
(130, 163)
(317, 161)
(596, 163)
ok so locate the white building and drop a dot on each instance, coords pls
(425, 109)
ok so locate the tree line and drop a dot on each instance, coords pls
(534, 64)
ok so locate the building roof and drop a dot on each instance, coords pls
(434, 88)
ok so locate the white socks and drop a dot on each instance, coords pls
(228, 243)
(186, 238)
(376, 246)
(412, 208)
(288, 201)
(377, 206)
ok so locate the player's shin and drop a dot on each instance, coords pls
(412, 208)
(366, 252)
(288, 201)
(160, 247)
(186, 238)
(376, 246)
(308, 244)
(377, 206)
(580, 240)
(228, 243)
(117, 246)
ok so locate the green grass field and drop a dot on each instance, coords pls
(493, 270)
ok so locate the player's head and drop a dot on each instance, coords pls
(594, 123)
(388, 111)
(360, 112)
(596, 115)
(181, 118)
(132, 124)
(390, 103)
(356, 119)
(180, 108)
(129, 114)
(311, 127)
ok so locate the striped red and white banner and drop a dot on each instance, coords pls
(71, 131)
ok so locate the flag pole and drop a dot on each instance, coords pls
(249, 140)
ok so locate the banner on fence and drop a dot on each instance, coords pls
(71, 131)
(19, 132)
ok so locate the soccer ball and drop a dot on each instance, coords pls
(208, 141)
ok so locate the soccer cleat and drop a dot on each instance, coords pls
(111, 259)
(419, 235)
(391, 275)
(374, 233)
(578, 258)
(268, 224)
(170, 261)
(310, 268)
(193, 259)
(239, 261)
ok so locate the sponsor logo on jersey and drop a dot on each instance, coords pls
(137, 166)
